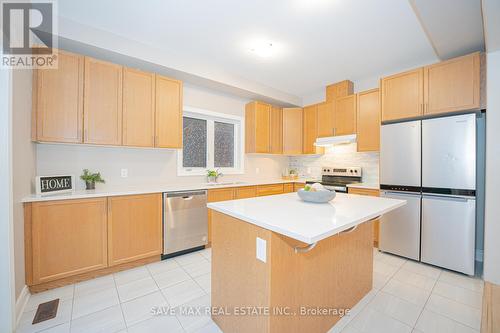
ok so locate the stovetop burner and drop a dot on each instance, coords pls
(338, 178)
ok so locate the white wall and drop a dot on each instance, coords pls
(492, 212)
(24, 161)
(149, 165)
(341, 156)
(6, 232)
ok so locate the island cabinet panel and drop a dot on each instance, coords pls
(276, 130)
(102, 102)
(345, 115)
(326, 114)
(453, 85)
(376, 223)
(219, 194)
(292, 131)
(58, 100)
(402, 95)
(271, 189)
(134, 227)
(286, 279)
(257, 127)
(138, 108)
(368, 125)
(245, 192)
(65, 238)
(310, 128)
(168, 113)
(339, 89)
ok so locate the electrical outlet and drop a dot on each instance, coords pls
(124, 173)
(260, 249)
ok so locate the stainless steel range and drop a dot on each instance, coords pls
(337, 178)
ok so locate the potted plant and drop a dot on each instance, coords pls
(91, 178)
(213, 175)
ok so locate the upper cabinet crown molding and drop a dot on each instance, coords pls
(58, 117)
(102, 103)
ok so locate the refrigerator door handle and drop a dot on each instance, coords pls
(412, 194)
(448, 197)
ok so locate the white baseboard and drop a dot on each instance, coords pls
(21, 302)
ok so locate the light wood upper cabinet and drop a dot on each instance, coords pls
(58, 100)
(67, 237)
(134, 227)
(339, 89)
(138, 108)
(102, 102)
(402, 95)
(326, 114)
(257, 127)
(345, 115)
(368, 126)
(310, 128)
(168, 113)
(276, 130)
(453, 85)
(292, 131)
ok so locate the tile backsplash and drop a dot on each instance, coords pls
(340, 156)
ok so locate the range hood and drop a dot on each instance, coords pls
(335, 140)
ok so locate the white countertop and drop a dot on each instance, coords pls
(288, 215)
(368, 186)
(155, 188)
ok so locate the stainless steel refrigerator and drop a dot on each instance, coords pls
(431, 163)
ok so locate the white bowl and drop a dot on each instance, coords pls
(317, 196)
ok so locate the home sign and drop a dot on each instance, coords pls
(54, 184)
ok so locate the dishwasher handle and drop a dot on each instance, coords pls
(185, 194)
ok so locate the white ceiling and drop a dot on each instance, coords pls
(318, 41)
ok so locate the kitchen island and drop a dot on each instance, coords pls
(283, 265)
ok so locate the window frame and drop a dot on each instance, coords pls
(211, 117)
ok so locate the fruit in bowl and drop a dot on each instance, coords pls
(316, 193)
(314, 187)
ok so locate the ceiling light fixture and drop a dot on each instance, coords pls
(263, 49)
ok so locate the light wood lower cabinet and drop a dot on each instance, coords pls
(376, 223)
(65, 238)
(271, 189)
(245, 192)
(219, 194)
(134, 227)
(298, 186)
(287, 187)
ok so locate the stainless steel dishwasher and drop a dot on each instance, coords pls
(185, 221)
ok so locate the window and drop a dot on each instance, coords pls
(210, 141)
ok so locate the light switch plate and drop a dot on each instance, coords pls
(124, 173)
(261, 251)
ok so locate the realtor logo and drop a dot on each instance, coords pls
(28, 34)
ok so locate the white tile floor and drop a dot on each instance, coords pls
(407, 297)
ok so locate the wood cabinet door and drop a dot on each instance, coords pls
(68, 237)
(102, 106)
(310, 128)
(134, 227)
(345, 115)
(270, 189)
(288, 188)
(326, 119)
(245, 192)
(292, 131)
(138, 108)
(368, 125)
(168, 113)
(339, 89)
(58, 100)
(402, 95)
(453, 85)
(276, 130)
(220, 194)
(376, 223)
(298, 186)
(257, 123)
